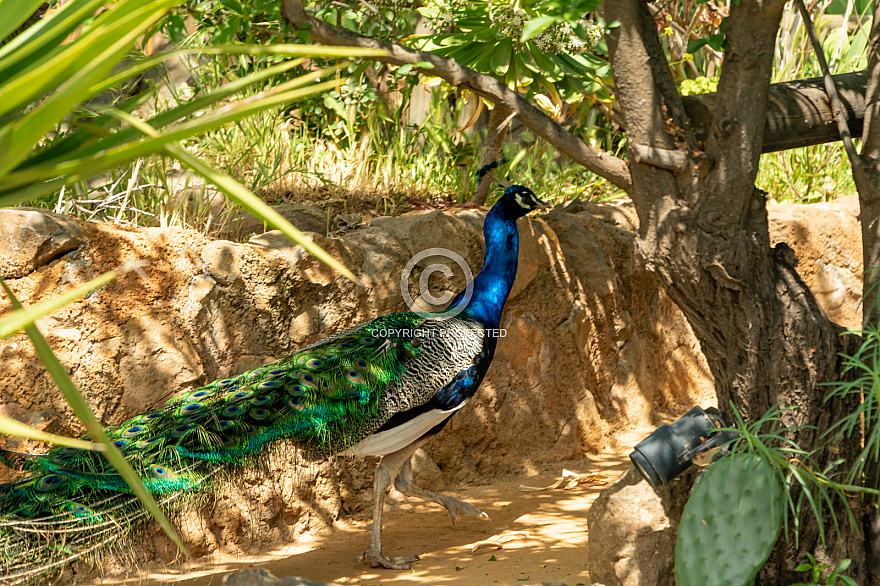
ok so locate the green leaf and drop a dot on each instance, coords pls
(842, 566)
(694, 45)
(226, 31)
(176, 28)
(803, 568)
(716, 41)
(95, 58)
(93, 426)
(501, 57)
(15, 13)
(11, 426)
(536, 26)
(233, 6)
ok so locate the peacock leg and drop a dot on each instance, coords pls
(388, 469)
(404, 483)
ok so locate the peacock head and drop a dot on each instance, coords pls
(517, 201)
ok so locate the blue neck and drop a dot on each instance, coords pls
(493, 284)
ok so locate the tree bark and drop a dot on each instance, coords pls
(866, 173)
(498, 122)
(704, 231)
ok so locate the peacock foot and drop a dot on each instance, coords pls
(377, 559)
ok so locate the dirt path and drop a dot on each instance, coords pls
(554, 547)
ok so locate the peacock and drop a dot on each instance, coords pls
(381, 388)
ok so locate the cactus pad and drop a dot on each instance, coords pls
(730, 523)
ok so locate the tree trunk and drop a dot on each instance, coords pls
(704, 231)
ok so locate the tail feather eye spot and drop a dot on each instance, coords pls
(276, 373)
(152, 416)
(345, 345)
(296, 391)
(50, 482)
(368, 341)
(160, 472)
(296, 404)
(259, 414)
(120, 443)
(180, 430)
(232, 411)
(361, 365)
(256, 373)
(354, 376)
(133, 431)
(308, 380)
(261, 400)
(233, 389)
(192, 408)
(269, 384)
(239, 396)
(314, 363)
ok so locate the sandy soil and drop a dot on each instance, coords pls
(532, 537)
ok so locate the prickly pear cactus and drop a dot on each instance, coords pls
(730, 523)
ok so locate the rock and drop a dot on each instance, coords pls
(45, 420)
(826, 242)
(633, 531)
(32, 238)
(262, 577)
(220, 258)
(303, 217)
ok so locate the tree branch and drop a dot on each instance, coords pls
(595, 160)
(830, 87)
